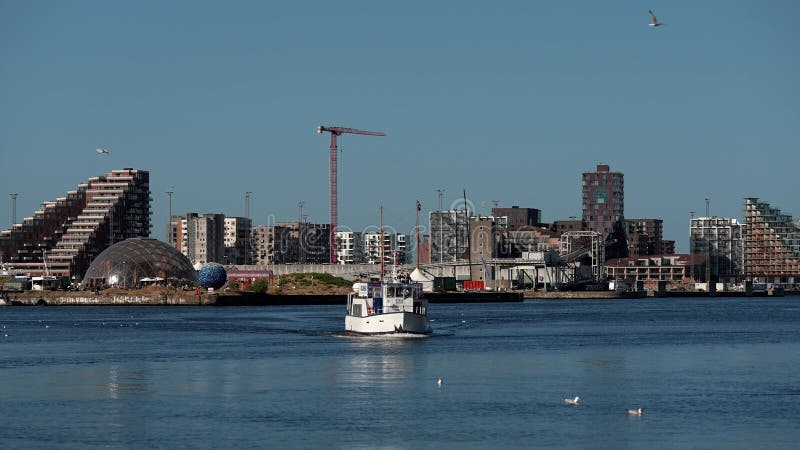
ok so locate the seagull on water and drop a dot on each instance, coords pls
(653, 21)
(439, 382)
(572, 401)
(102, 151)
(634, 412)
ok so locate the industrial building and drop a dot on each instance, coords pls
(667, 268)
(64, 236)
(771, 244)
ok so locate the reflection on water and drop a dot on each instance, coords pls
(377, 362)
(93, 382)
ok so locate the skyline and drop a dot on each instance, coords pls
(512, 103)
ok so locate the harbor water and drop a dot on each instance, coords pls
(708, 373)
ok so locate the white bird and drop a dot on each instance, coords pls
(572, 401)
(439, 382)
(102, 151)
(634, 412)
(653, 21)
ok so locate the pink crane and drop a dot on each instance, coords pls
(338, 131)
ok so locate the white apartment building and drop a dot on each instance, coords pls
(349, 247)
(394, 248)
(203, 240)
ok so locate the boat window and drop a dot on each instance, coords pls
(357, 310)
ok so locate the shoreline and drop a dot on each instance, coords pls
(252, 299)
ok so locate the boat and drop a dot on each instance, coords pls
(395, 305)
(392, 306)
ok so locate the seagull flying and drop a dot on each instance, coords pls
(653, 21)
(634, 412)
(102, 151)
(572, 401)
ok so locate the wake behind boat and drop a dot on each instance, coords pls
(394, 306)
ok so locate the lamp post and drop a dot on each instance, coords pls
(169, 219)
(247, 258)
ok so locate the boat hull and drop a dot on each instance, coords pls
(402, 322)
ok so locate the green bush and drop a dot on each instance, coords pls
(330, 279)
(259, 287)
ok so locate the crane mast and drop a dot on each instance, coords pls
(334, 176)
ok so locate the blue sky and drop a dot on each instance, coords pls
(511, 101)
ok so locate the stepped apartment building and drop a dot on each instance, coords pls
(771, 244)
(64, 236)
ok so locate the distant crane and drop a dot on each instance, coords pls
(338, 131)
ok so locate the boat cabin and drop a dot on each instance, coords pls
(369, 299)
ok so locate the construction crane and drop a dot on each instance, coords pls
(338, 131)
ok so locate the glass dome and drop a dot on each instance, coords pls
(137, 261)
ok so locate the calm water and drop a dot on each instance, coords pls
(709, 373)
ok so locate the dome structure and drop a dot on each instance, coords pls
(135, 261)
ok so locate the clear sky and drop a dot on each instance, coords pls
(510, 100)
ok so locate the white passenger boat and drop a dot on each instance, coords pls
(394, 306)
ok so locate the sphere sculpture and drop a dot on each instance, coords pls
(212, 275)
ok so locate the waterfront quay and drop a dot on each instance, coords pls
(193, 298)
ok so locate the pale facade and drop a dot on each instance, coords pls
(349, 247)
(720, 240)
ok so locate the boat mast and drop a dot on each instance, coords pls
(381, 240)
(419, 206)
(469, 233)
